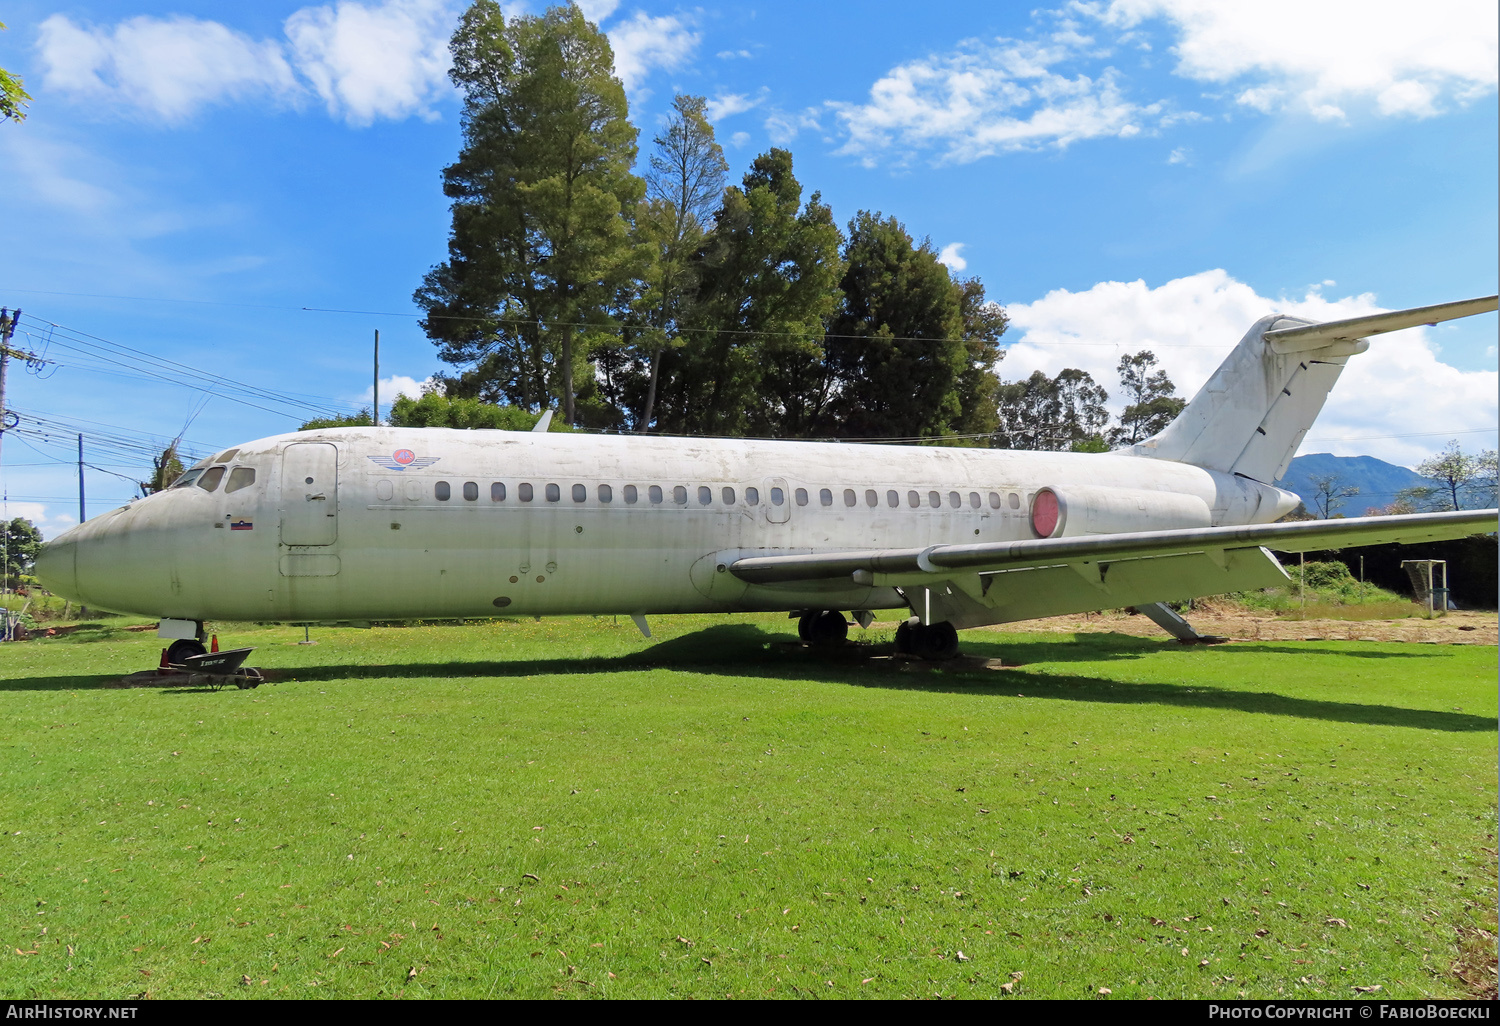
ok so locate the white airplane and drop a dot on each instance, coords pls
(359, 524)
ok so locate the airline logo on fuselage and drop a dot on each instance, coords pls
(404, 459)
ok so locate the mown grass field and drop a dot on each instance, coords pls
(565, 808)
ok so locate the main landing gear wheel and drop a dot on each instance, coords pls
(179, 650)
(829, 629)
(805, 626)
(933, 641)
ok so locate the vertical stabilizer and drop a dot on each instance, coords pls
(1253, 413)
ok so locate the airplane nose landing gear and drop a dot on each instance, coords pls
(927, 641)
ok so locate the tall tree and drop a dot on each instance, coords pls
(1151, 400)
(541, 193)
(1460, 479)
(12, 96)
(983, 324)
(1055, 414)
(895, 347)
(165, 469)
(684, 186)
(1329, 494)
(768, 276)
(22, 540)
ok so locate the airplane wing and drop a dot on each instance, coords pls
(1314, 336)
(939, 561)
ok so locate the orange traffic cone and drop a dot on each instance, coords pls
(214, 643)
(164, 667)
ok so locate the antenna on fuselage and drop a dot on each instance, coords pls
(541, 425)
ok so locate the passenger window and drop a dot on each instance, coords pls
(934, 500)
(752, 496)
(1015, 501)
(777, 496)
(442, 491)
(471, 491)
(554, 493)
(211, 478)
(606, 493)
(893, 498)
(974, 500)
(871, 498)
(679, 494)
(523, 491)
(384, 490)
(705, 495)
(580, 493)
(913, 499)
(801, 496)
(849, 497)
(631, 495)
(497, 492)
(244, 477)
(825, 496)
(994, 500)
(728, 496)
(655, 493)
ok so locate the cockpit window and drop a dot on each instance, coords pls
(188, 478)
(226, 456)
(211, 478)
(240, 477)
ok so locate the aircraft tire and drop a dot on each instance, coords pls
(179, 650)
(941, 640)
(905, 639)
(805, 625)
(830, 629)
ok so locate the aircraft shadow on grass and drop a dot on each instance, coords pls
(745, 651)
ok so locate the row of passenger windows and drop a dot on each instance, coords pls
(656, 495)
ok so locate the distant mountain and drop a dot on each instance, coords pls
(1377, 481)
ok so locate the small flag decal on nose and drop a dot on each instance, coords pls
(242, 524)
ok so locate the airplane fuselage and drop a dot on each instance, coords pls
(391, 523)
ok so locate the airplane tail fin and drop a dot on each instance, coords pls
(1253, 413)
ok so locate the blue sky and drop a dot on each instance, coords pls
(1126, 174)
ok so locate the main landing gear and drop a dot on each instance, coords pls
(927, 641)
(823, 628)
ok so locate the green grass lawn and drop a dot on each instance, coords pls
(563, 807)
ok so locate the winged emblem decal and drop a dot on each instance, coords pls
(404, 459)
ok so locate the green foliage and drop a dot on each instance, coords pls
(12, 96)
(165, 469)
(1060, 414)
(1461, 481)
(1331, 591)
(548, 787)
(540, 247)
(360, 419)
(22, 540)
(433, 410)
(1152, 404)
(768, 277)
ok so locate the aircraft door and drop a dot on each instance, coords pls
(778, 499)
(309, 494)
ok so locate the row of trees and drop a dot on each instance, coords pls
(675, 302)
(1068, 412)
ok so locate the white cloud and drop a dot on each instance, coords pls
(595, 10)
(1324, 56)
(643, 44)
(949, 256)
(393, 386)
(731, 104)
(1192, 323)
(985, 99)
(374, 61)
(364, 60)
(739, 139)
(1181, 155)
(170, 67)
(729, 55)
(783, 127)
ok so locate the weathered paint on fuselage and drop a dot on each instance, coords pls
(389, 548)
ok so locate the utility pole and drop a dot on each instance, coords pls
(80, 479)
(8, 323)
(375, 407)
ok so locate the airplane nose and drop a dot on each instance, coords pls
(57, 565)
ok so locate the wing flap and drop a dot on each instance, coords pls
(945, 560)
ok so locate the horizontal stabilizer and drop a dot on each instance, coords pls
(1316, 336)
(944, 560)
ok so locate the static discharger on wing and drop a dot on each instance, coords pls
(360, 524)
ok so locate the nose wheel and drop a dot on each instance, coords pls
(933, 641)
(179, 650)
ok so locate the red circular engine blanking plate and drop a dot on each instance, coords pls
(1045, 513)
